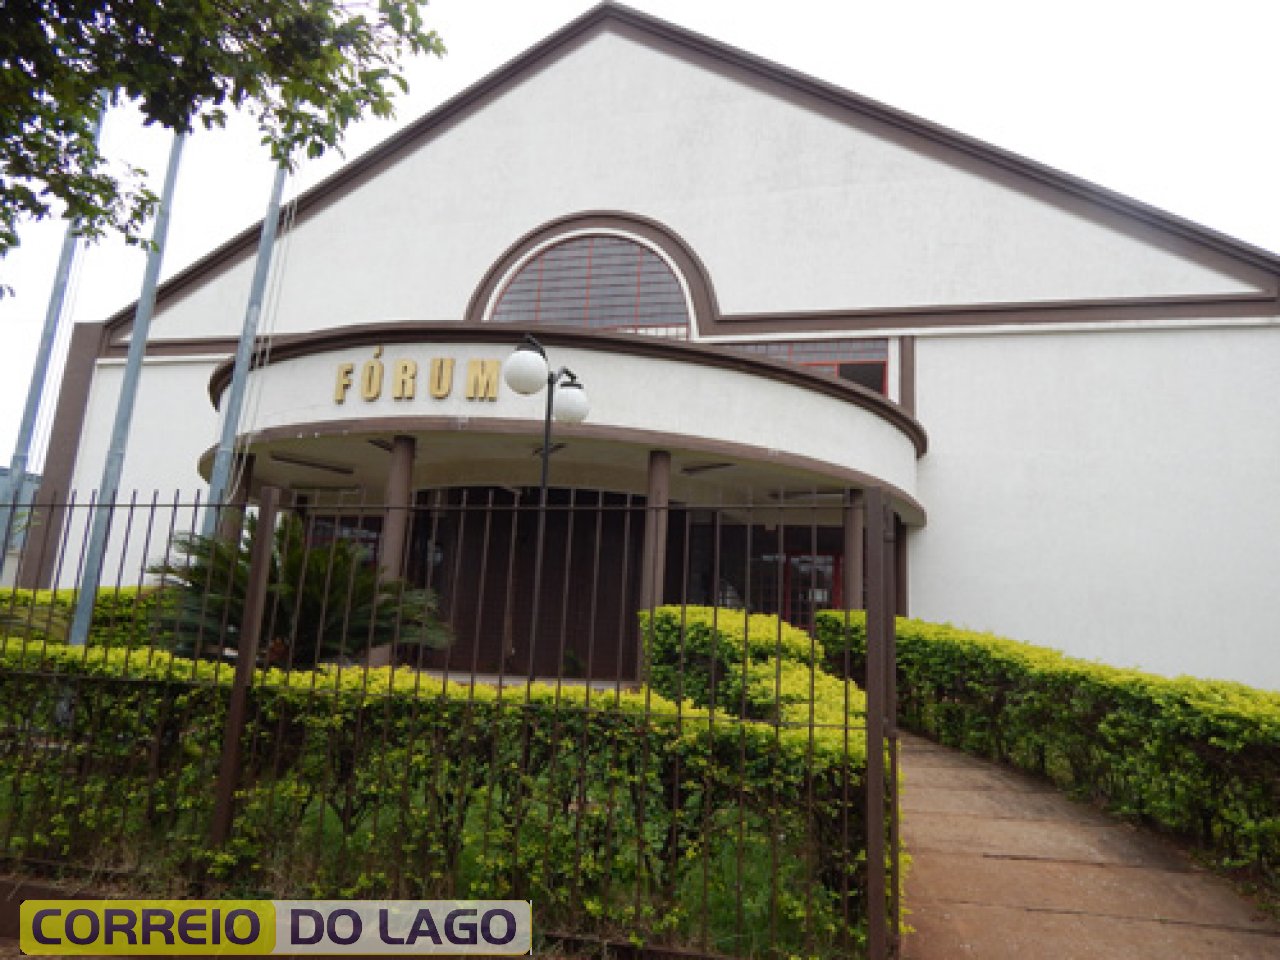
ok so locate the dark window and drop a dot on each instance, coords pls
(600, 281)
(864, 362)
(364, 530)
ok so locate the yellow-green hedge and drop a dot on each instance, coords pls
(704, 654)
(1200, 758)
(122, 617)
(622, 816)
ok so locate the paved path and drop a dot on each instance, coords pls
(1004, 867)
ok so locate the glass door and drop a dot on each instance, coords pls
(796, 585)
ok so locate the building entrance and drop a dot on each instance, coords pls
(796, 585)
(477, 549)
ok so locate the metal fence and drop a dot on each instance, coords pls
(656, 749)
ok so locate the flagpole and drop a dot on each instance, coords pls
(108, 488)
(233, 399)
(11, 487)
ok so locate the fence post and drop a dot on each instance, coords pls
(255, 602)
(893, 588)
(877, 926)
(855, 522)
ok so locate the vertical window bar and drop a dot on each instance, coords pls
(640, 251)
(586, 285)
(537, 298)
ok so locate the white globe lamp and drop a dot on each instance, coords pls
(525, 371)
(571, 403)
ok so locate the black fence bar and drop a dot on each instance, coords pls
(888, 613)
(255, 605)
(667, 754)
(877, 590)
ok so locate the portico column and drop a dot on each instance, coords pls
(395, 524)
(855, 521)
(231, 520)
(653, 571)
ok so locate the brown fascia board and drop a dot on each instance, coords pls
(741, 61)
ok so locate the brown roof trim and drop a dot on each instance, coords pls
(381, 334)
(606, 13)
(1042, 312)
(179, 347)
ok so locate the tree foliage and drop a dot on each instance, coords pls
(305, 69)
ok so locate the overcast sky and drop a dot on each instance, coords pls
(1169, 101)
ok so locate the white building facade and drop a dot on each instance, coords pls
(1068, 396)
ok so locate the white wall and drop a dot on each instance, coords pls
(788, 208)
(1114, 495)
(174, 422)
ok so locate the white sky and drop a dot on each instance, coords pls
(1169, 101)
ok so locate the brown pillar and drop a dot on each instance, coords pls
(255, 608)
(395, 523)
(42, 549)
(907, 374)
(901, 569)
(231, 522)
(855, 522)
(654, 569)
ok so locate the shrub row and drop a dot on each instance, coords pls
(705, 654)
(123, 617)
(1198, 758)
(748, 665)
(621, 815)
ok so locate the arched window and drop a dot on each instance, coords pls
(601, 281)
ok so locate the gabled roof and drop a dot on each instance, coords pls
(732, 60)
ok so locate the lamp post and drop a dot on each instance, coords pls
(526, 372)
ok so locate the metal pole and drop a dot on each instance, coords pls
(552, 378)
(546, 433)
(124, 409)
(233, 401)
(11, 487)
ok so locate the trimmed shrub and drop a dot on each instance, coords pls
(626, 816)
(122, 617)
(786, 692)
(703, 654)
(842, 635)
(1199, 758)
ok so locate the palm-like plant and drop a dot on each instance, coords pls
(324, 601)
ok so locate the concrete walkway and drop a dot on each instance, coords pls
(1005, 867)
